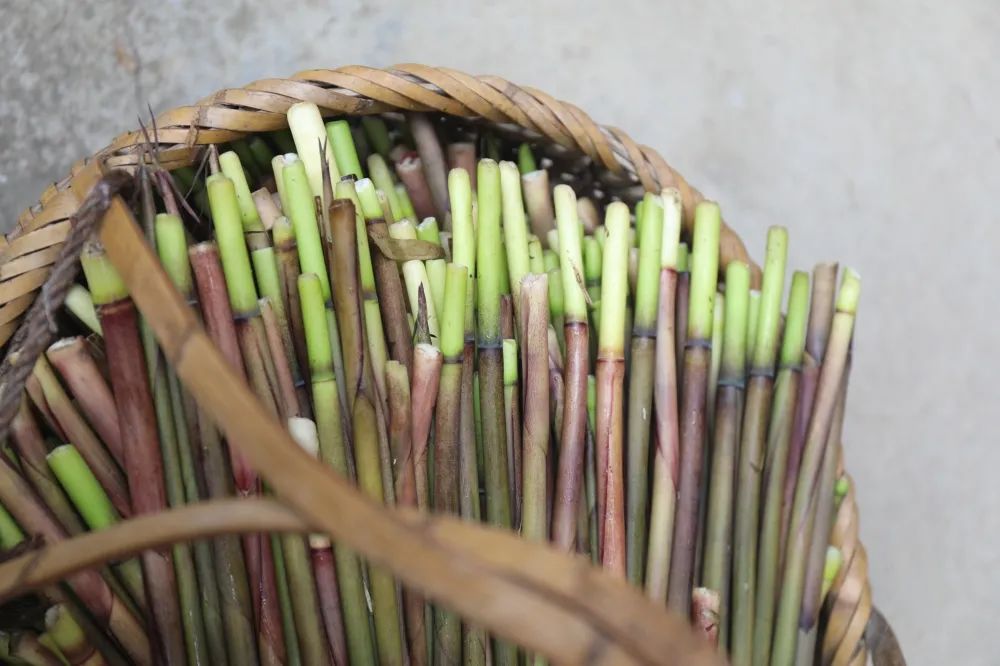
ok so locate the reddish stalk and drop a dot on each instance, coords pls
(435, 171)
(288, 401)
(610, 373)
(137, 423)
(218, 316)
(391, 298)
(697, 359)
(821, 309)
(512, 408)
(79, 433)
(79, 371)
(410, 170)
(666, 429)
(286, 255)
(462, 155)
(108, 610)
(427, 362)
(400, 436)
(31, 450)
(534, 310)
(705, 613)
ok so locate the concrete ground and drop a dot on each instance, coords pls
(870, 129)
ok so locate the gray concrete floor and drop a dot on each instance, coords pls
(870, 129)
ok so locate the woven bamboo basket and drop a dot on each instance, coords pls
(546, 601)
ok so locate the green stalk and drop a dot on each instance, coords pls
(405, 204)
(302, 213)
(261, 154)
(822, 510)
(77, 430)
(569, 478)
(610, 374)
(415, 278)
(278, 167)
(242, 148)
(313, 148)
(93, 504)
(557, 304)
(428, 231)
(786, 389)
(515, 231)
(817, 441)
(232, 168)
(333, 451)
(697, 355)
(512, 424)
(379, 172)
(726, 436)
(137, 419)
(641, 383)
(535, 438)
(383, 588)
(592, 261)
(447, 627)
(754, 315)
(683, 307)
(79, 302)
(69, 639)
(345, 154)
(171, 245)
(525, 160)
(378, 134)
(374, 332)
(305, 434)
(753, 447)
(491, 370)
(31, 450)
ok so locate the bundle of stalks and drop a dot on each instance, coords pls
(452, 336)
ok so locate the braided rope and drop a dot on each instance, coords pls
(39, 329)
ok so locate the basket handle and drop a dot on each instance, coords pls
(559, 606)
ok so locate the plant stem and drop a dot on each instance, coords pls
(305, 434)
(462, 155)
(683, 307)
(333, 451)
(94, 505)
(31, 450)
(705, 606)
(429, 148)
(822, 522)
(610, 371)
(78, 431)
(697, 354)
(79, 302)
(415, 276)
(799, 534)
(401, 433)
(569, 480)
(387, 283)
(538, 199)
(824, 289)
(108, 610)
(641, 385)
(726, 437)
(410, 170)
(753, 440)
(377, 133)
(534, 309)
(78, 370)
(313, 148)
(491, 371)
(779, 434)
(447, 628)
(137, 423)
(345, 154)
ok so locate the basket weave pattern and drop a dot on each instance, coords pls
(28, 253)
